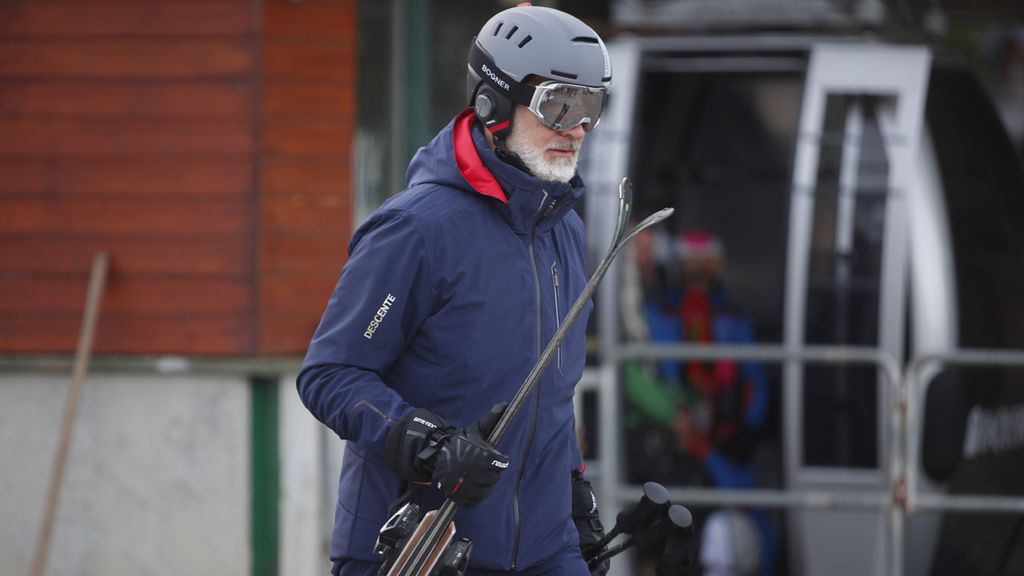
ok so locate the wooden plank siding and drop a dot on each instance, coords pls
(204, 145)
(308, 113)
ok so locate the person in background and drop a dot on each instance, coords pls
(695, 423)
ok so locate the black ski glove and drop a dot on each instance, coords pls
(412, 444)
(588, 521)
(424, 448)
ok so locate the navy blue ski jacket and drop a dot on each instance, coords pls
(452, 289)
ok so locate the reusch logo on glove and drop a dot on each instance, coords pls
(499, 464)
(379, 316)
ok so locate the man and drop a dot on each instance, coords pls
(451, 291)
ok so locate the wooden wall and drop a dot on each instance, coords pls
(308, 115)
(204, 145)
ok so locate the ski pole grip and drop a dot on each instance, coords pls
(651, 539)
(652, 506)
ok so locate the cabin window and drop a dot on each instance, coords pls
(844, 283)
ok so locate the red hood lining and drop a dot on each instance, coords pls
(468, 159)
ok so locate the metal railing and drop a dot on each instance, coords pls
(609, 442)
(917, 388)
(901, 497)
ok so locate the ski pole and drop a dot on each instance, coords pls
(652, 505)
(648, 539)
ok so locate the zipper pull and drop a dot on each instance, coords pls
(554, 273)
(550, 208)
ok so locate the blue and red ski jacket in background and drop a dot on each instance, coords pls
(451, 290)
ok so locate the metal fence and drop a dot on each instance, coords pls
(917, 386)
(905, 416)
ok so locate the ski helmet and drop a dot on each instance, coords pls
(527, 42)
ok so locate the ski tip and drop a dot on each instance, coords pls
(660, 215)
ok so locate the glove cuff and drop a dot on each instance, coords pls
(411, 445)
(584, 502)
(588, 524)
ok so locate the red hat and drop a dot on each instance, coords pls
(698, 244)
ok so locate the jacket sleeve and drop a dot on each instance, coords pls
(382, 296)
(575, 454)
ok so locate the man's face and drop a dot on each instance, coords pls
(550, 155)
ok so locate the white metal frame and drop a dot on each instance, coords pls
(899, 73)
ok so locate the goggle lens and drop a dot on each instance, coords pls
(563, 107)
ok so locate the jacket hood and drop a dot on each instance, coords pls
(459, 157)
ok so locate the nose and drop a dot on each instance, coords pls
(575, 133)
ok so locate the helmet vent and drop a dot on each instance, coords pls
(563, 74)
(511, 32)
(497, 29)
(525, 41)
(585, 39)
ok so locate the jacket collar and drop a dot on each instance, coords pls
(523, 200)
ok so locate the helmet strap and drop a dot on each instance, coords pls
(507, 156)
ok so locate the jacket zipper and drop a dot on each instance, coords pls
(536, 393)
(558, 315)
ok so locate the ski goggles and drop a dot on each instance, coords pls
(562, 106)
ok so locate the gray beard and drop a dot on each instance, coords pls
(558, 170)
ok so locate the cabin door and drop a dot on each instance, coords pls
(846, 285)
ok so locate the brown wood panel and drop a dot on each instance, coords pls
(126, 138)
(130, 256)
(133, 2)
(131, 126)
(131, 334)
(332, 3)
(182, 58)
(329, 100)
(310, 138)
(283, 253)
(307, 296)
(286, 19)
(100, 98)
(303, 293)
(287, 177)
(134, 19)
(308, 108)
(128, 294)
(296, 59)
(310, 215)
(291, 306)
(103, 217)
(287, 334)
(181, 177)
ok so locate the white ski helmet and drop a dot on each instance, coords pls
(730, 544)
(527, 43)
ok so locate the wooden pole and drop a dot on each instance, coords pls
(97, 281)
